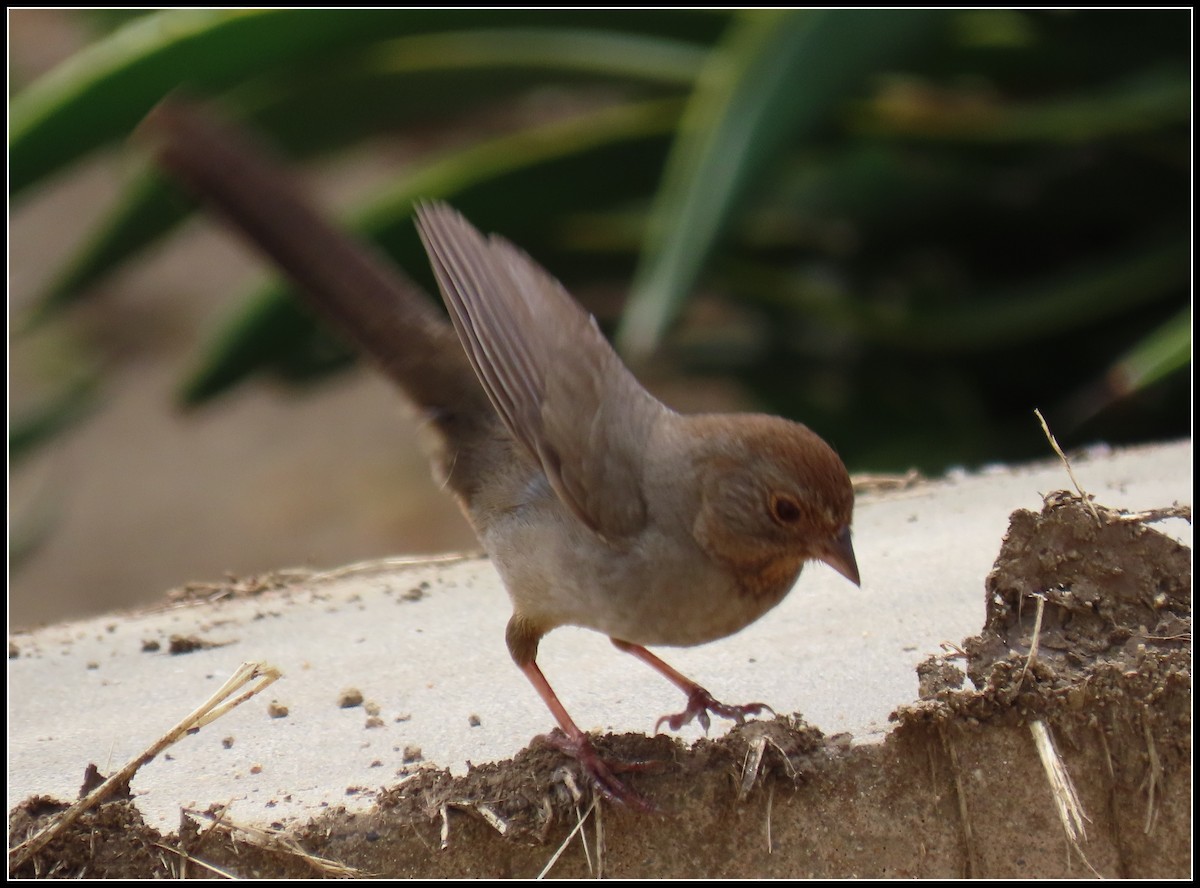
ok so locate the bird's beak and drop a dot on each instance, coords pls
(839, 555)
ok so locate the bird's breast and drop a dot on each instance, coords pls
(657, 589)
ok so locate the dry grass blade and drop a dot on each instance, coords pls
(1154, 778)
(964, 812)
(214, 707)
(1067, 463)
(563, 846)
(379, 565)
(874, 483)
(601, 845)
(1149, 516)
(587, 852)
(770, 807)
(751, 765)
(491, 818)
(187, 858)
(280, 842)
(1037, 633)
(1066, 800)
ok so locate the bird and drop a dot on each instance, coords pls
(599, 506)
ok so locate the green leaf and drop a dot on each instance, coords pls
(1041, 308)
(1036, 309)
(1165, 351)
(149, 209)
(779, 77)
(909, 108)
(101, 93)
(41, 423)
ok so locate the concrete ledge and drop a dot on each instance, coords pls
(423, 644)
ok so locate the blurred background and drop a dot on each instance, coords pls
(906, 229)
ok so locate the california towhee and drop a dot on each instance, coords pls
(599, 506)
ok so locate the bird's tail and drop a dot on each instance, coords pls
(363, 295)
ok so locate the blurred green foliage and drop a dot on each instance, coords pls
(911, 227)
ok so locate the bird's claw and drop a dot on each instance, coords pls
(701, 703)
(603, 773)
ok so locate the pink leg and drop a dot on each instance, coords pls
(700, 701)
(576, 744)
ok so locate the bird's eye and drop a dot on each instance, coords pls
(784, 509)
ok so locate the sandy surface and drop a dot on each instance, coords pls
(418, 779)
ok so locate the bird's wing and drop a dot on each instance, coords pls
(552, 376)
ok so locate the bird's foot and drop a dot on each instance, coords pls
(603, 772)
(701, 703)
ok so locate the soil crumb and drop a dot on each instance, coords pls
(186, 644)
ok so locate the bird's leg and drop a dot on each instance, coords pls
(522, 637)
(576, 744)
(700, 701)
